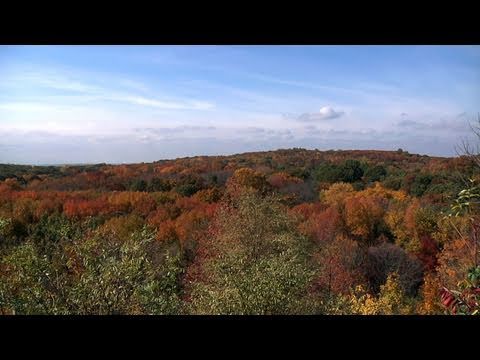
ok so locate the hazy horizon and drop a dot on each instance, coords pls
(227, 154)
(130, 104)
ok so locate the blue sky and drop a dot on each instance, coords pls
(122, 104)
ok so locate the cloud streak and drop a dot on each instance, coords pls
(72, 80)
(169, 105)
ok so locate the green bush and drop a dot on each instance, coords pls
(95, 277)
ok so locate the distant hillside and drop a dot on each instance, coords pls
(416, 174)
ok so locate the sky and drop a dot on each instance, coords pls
(126, 104)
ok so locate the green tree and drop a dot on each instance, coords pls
(328, 173)
(159, 184)
(351, 171)
(139, 185)
(420, 184)
(375, 173)
(259, 264)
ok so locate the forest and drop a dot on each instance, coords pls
(282, 232)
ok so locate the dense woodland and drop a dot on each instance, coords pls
(282, 232)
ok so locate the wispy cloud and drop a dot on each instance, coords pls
(28, 107)
(173, 130)
(450, 125)
(172, 105)
(131, 91)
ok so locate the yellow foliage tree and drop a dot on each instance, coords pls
(390, 301)
(362, 303)
(364, 216)
(380, 191)
(336, 194)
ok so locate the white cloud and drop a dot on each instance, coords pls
(325, 113)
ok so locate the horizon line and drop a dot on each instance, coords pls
(222, 155)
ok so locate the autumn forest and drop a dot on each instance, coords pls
(280, 232)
